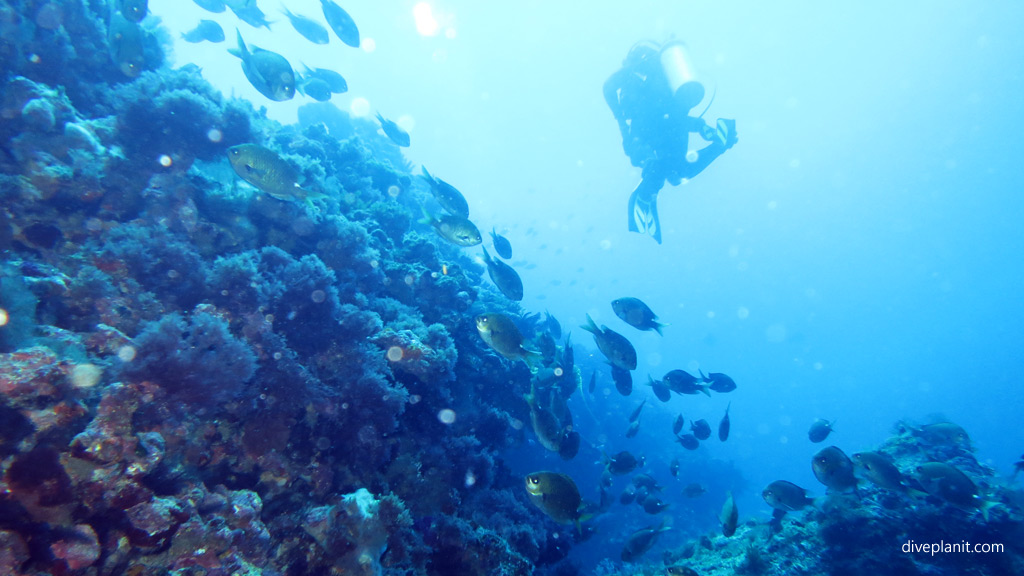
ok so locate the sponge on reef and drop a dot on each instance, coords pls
(353, 527)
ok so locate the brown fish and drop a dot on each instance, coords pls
(556, 495)
(833, 468)
(615, 347)
(820, 429)
(501, 334)
(950, 484)
(786, 496)
(266, 170)
(640, 542)
(730, 516)
(880, 470)
(943, 434)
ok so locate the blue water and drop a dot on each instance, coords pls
(855, 257)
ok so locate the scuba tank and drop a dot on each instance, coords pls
(681, 75)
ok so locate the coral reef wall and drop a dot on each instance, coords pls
(198, 377)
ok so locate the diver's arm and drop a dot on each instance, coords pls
(705, 156)
(700, 127)
(724, 137)
(612, 85)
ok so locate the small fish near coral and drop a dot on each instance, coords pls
(340, 21)
(266, 170)
(556, 495)
(393, 131)
(268, 72)
(205, 31)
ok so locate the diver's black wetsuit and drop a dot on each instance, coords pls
(638, 95)
(655, 132)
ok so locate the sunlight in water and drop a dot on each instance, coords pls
(360, 106)
(406, 122)
(426, 24)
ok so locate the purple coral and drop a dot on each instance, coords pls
(175, 112)
(296, 297)
(159, 261)
(198, 361)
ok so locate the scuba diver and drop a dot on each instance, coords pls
(651, 97)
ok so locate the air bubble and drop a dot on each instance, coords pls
(446, 416)
(85, 375)
(126, 353)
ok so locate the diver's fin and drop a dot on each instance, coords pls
(631, 210)
(643, 215)
(726, 132)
